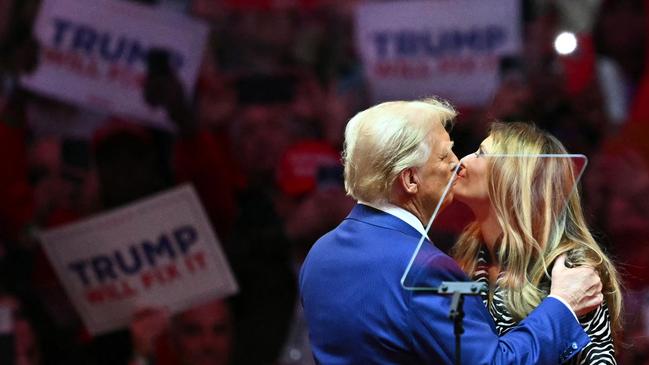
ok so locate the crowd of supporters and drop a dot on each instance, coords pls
(260, 139)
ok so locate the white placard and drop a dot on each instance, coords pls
(447, 48)
(93, 53)
(159, 252)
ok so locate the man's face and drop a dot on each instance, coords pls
(203, 335)
(435, 174)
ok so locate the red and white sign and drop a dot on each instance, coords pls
(94, 53)
(158, 252)
(447, 48)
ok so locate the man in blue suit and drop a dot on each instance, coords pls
(398, 159)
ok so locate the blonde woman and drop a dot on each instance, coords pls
(526, 217)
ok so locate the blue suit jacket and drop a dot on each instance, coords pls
(358, 313)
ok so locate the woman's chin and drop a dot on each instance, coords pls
(470, 201)
(459, 193)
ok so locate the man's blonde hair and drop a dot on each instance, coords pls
(385, 139)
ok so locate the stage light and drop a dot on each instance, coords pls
(565, 43)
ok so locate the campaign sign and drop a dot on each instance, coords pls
(94, 53)
(160, 251)
(448, 48)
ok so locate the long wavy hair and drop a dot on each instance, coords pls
(541, 218)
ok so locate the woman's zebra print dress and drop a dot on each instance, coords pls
(597, 324)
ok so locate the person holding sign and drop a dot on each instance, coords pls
(201, 335)
(513, 258)
(398, 160)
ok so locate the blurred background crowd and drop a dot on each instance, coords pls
(260, 139)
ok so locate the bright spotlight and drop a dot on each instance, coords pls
(565, 43)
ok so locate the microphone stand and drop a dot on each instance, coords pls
(458, 289)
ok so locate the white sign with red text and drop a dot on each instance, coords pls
(158, 252)
(94, 53)
(447, 48)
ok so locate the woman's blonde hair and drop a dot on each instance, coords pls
(387, 138)
(541, 218)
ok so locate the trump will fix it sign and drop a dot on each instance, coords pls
(160, 251)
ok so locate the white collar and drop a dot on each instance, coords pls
(400, 213)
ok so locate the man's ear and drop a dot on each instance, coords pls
(409, 180)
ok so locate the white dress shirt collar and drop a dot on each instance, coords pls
(400, 213)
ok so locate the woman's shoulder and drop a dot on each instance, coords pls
(597, 320)
(597, 325)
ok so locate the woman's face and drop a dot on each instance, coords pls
(471, 186)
